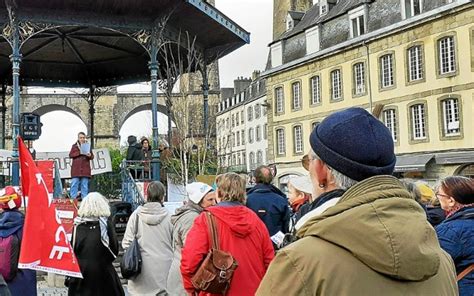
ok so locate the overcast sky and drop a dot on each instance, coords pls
(60, 128)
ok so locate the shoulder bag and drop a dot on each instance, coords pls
(465, 272)
(216, 270)
(131, 263)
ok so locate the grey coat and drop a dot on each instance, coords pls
(154, 238)
(182, 222)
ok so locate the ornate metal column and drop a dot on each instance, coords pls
(153, 66)
(3, 111)
(91, 113)
(15, 59)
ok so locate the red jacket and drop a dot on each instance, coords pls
(242, 234)
(81, 166)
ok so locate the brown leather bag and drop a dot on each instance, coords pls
(216, 270)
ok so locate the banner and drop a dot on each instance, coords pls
(45, 245)
(99, 165)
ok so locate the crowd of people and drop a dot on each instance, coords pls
(347, 228)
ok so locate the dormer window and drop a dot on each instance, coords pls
(276, 54)
(357, 21)
(323, 7)
(411, 8)
(290, 24)
(312, 40)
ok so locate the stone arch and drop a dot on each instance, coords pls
(465, 170)
(161, 109)
(42, 110)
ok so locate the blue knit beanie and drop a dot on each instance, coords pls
(354, 143)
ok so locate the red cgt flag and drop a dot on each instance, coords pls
(44, 245)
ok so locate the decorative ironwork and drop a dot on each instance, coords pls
(143, 37)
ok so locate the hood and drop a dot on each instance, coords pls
(152, 213)
(180, 212)
(384, 227)
(262, 188)
(131, 140)
(10, 222)
(238, 217)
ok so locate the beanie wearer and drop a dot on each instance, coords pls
(354, 143)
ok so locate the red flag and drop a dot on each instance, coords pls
(45, 245)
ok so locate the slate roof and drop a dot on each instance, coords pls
(312, 17)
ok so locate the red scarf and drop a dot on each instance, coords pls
(456, 208)
(296, 205)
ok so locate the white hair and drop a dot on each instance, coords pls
(94, 205)
(342, 181)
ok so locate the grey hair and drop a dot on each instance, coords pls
(342, 181)
(155, 192)
(94, 205)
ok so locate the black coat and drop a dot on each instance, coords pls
(95, 261)
(135, 152)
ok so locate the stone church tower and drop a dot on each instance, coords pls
(280, 11)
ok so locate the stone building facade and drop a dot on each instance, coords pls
(414, 58)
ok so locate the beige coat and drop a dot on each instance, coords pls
(154, 238)
(374, 241)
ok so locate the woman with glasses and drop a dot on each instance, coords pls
(456, 233)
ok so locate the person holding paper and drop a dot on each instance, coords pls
(81, 168)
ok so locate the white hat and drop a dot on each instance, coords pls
(197, 190)
(302, 183)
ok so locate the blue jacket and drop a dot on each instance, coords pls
(271, 205)
(456, 236)
(24, 284)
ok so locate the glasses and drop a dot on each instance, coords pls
(437, 194)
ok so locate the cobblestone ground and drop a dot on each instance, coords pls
(44, 290)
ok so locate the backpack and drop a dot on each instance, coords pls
(9, 255)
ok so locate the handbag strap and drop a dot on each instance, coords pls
(74, 237)
(211, 223)
(465, 272)
(136, 226)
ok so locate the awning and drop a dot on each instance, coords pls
(412, 163)
(457, 157)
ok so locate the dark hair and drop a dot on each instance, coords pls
(460, 188)
(146, 139)
(81, 133)
(263, 174)
(155, 192)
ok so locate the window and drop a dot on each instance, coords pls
(227, 123)
(238, 159)
(418, 121)
(279, 100)
(415, 60)
(315, 84)
(242, 134)
(359, 78)
(447, 57)
(312, 40)
(252, 160)
(233, 139)
(233, 159)
(238, 138)
(296, 87)
(451, 122)
(243, 158)
(357, 26)
(276, 54)
(251, 135)
(242, 117)
(249, 113)
(259, 157)
(298, 139)
(411, 7)
(258, 133)
(386, 69)
(237, 119)
(257, 109)
(390, 121)
(336, 88)
(280, 134)
(265, 126)
(233, 120)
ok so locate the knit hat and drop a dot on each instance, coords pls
(197, 190)
(354, 143)
(302, 183)
(9, 198)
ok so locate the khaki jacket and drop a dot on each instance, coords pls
(375, 241)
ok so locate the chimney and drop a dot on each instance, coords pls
(255, 75)
(240, 84)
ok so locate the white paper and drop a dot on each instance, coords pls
(278, 237)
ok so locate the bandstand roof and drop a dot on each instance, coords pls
(106, 42)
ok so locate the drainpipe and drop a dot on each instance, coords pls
(367, 54)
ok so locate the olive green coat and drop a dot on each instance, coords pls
(374, 241)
